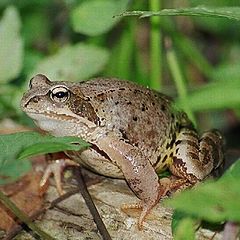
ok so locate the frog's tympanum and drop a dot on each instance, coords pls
(134, 133)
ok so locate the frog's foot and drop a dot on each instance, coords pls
(56, 169)
(145, 211)
(178, 184)
(147, 206)
(137, 206)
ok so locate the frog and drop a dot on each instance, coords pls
(134, 133)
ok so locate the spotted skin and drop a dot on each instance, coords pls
(133, 131)
(192, 158)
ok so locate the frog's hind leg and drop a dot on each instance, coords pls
(144, 206)
(195, 158)
(138, 172)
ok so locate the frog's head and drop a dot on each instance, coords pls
(54, 104)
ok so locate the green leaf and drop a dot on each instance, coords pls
(185, 230)
(73, 63)
(177, 217)
(11, 45)
(232, 173)
(36, 19)
(24, 3)
(219, 27)
(11, 170)
(212, 201)
(226, 72)
(232, 13)
(178, 224)
(180, 82)
(191, 51)
(17, 147)
(95, 17)
(31, 59)
(50, 144)
(218, 95)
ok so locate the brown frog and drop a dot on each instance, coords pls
(134, 133)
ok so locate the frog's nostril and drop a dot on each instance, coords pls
(36, 99)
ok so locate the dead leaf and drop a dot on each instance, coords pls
(25, 194)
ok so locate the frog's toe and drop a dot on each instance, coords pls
(56, 169)
(132, 209)
(136, 207)
(174, 184)
(127, 206)
(145, 209)
(148, 204)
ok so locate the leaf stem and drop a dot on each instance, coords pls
(178, 78)
(155, 47)
(125, 52)
(90, 204)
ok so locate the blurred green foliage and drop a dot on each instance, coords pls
(194, 59)
(14, 161)
(213, 201)
(222, 198)
(75, 40)
(89, 19)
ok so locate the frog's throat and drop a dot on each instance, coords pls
(64, 116)
(66, 125)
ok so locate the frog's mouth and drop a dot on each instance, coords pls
(46, 120)
(44, 116)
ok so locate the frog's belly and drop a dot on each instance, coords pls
(94, 161)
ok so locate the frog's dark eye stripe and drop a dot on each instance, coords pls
(59, 94)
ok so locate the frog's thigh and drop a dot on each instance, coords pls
(195, 158)
(137, 171)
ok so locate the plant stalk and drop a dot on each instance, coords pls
(155, 47)
(23, 217)
(179, 79)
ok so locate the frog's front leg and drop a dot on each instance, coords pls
(195, 158)
(55, 168)
(138, 172)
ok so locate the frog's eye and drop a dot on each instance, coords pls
(60, 94)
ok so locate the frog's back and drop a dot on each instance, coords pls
(140, 116)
